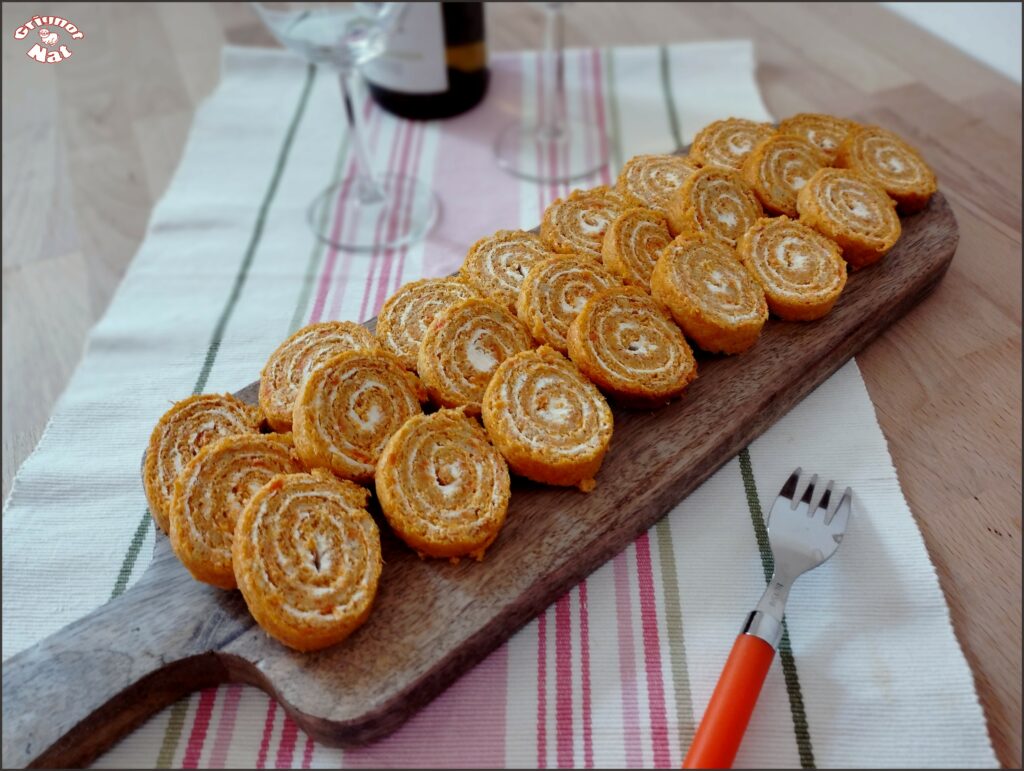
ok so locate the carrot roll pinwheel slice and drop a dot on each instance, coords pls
(633, 243)
(653, 180)
(852, 211)
(778, 167)
(307, 558)
(296, 357)
(408, 312)
(576, 224)
(801, 271)
(726, 143)
(826, 132)
(348, 409)
(211, 492)
(496, 265)
(710, 294)
(442, 485)
(628, 345)
(182, 432)
(716, 202)
(882, 157)
(551, 423)
(463, 347)
(554, 293)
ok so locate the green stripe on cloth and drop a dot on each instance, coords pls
(128, 563)
(796, 699)
(608, 55)
(670, 104)
(172, 735)
(676, 641)
(318, 246)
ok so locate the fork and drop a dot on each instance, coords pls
(802, 536)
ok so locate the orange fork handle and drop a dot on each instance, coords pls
(721, 731)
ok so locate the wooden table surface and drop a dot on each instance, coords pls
(88, 150)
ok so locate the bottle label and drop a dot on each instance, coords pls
(414, 61)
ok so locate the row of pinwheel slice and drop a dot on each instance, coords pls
(530, 337)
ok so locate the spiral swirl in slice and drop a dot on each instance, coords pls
(710, 294)
(496, 265)
(654, 180)
(778, 167)
(307, 558)
(881, 157)
(630, 348)
(297, 356)
(633, 244)
(182, 432)
(348, 409)
(463, 347)
(442, 485)
(826, 132)
(716, 202)
(726, 143)
(576, 225)
(554, 293)
(801, 271)
(614, 195)
(408, 312)
(211, 492)
(852, 211)
(551, 423)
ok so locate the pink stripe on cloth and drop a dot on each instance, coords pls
(652, 652)
(307, 756)
(268, 729)
(563, 682)
(588, 739)
(464, 727)
(466, 174)
(200, 724)
(286, 747)
(226, 726)
(542, 690)
(627, 662)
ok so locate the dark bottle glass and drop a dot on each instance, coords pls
(435, 65)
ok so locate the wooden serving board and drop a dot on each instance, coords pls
(68, 698)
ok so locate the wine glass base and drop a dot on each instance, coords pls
(347, 217)
(577, 150)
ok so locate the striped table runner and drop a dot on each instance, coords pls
(618, 671)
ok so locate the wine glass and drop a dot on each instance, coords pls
(345, 38)
(541, 151)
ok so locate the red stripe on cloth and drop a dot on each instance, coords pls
(563, 682)
(627, 662)
(598, 88)
(286, 747)
(542, 690)
(268, 729)
(588, 740)
(407, 219)
(200, 724)
(225, 727)
(652, 653)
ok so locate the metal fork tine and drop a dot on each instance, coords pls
(842, 515)
(789, 489)
(809, 494)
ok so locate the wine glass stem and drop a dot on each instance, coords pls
(368, 185)
(554, 86)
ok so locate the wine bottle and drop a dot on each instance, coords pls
(435, 64)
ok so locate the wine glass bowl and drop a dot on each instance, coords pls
(343, 39)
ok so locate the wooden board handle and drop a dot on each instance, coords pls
(68, 698)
